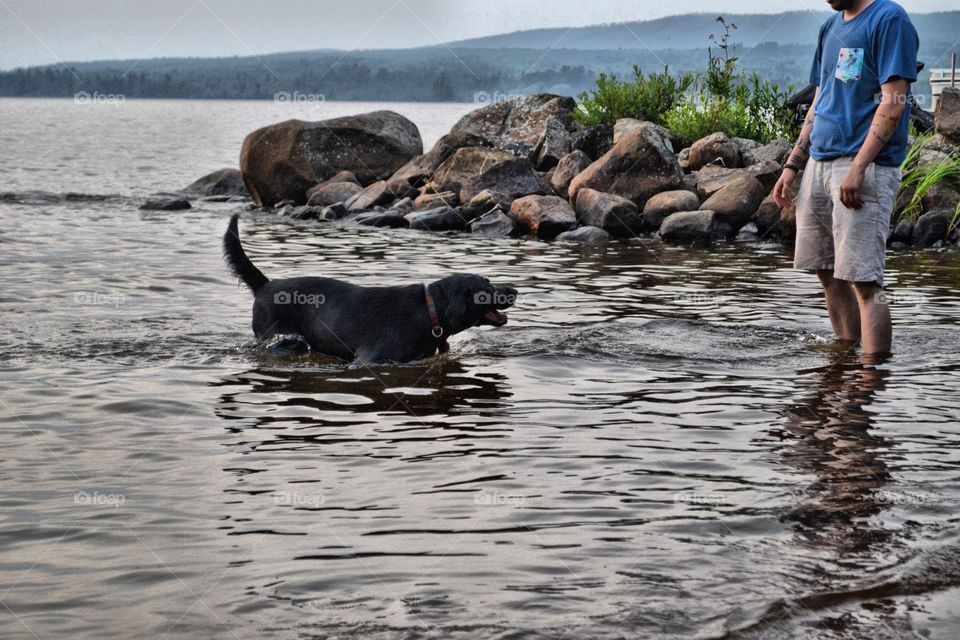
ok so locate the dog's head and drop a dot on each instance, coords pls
(469, 301)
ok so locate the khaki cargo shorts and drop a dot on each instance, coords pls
(850, 242)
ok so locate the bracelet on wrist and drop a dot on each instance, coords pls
(793, 166)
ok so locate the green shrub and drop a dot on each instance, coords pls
(645, 97)
(919, 178)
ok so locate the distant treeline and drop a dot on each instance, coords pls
(417, 75)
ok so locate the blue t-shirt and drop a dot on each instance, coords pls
(853, 59)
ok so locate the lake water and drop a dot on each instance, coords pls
(663, 443)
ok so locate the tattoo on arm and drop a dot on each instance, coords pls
(885, 127)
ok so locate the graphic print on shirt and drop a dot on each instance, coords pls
(849, 65)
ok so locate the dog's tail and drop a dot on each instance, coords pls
(237, 258)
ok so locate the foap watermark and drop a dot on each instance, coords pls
(901, 299)
(701, 300)
(297, 499)
(298, 297)
(483, 98)
(695, 498)
(98, 499)
(285, 97)
(85, 97)
(497, 299)
(900, 498)
(495, 499)
(99, 299)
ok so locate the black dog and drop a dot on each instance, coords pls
(370, 324)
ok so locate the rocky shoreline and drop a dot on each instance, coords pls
(522, 167)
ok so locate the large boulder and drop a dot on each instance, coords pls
(689, 227)
(941, 198)
(711, 179)
(614, 214)
(777, 151)
(282, 161)
(329, 193)
(948, 115)
(225, 182)
(736, 203)
(571, 165)
(640, 165)
(422, 168)
(465, 163)
(544, 216)
(537, 127)
(716, 149)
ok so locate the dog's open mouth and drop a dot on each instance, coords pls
(495, 318)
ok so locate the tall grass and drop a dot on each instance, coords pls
(921, 177)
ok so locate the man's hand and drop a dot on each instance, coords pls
(784, 187)
(850, 188)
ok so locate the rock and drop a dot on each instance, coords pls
(495, 224)
(777, 151)
(544, 216)
(343, 176)
(307, 213)
(376, 195)
(434, 200)
(594, 141)
(489, 200)
(788, 224)
(767, 217)
(217, 198)
(225, 182)
(284, 160)
(711, 179)
(402, 189)
(688, 227)
(585, 235)
(331, 193)
(902, 233)
(639, 166)
(439, 219)
(948, 115)
(514, 178)
(466, 163)
(166, 204)
(736, 203)
(749, 233)
(716, 149)
(930, 229)
(404, 206)
(683, 158)
(745, 145)
(614, 214)
(390, 219)
(570, 166)
(244, 199)
(623, 126)
(941, 198)
(536, 127)
(898, 246)
(285, 211)
(334, 212)
(663, 204)
(421, 168)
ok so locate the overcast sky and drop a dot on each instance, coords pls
(48, 31)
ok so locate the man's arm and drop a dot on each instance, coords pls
(893, 102)
(797, 159)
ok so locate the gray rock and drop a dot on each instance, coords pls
(711, 179)
(514, 178)
(571, 165)
(585, 235)
(376, 195)
(594, 141)
(668, 202)
(439, 219)
(225, 182)
(930, 229)
(749, 233)
(640, 165)
(331, 193)
(307, 213)
(283, 161)
(285, 211)
(334, 212)
(390, 219)
(421, 168)
(902, 233)
(689, 227)
(767, 217)
(898, 246)
(489, 200)
(495, 224)
(736, 203)
(433, 200)
(716, 149)
(534, 126)
(948, 115)
(614, 214)
(166, 204)
(544, 216)
(777, 151)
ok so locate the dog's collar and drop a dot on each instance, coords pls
(436, 329)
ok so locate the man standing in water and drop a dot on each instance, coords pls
(850, 151)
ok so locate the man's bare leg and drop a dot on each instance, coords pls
(876, 325)
(843, 307)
